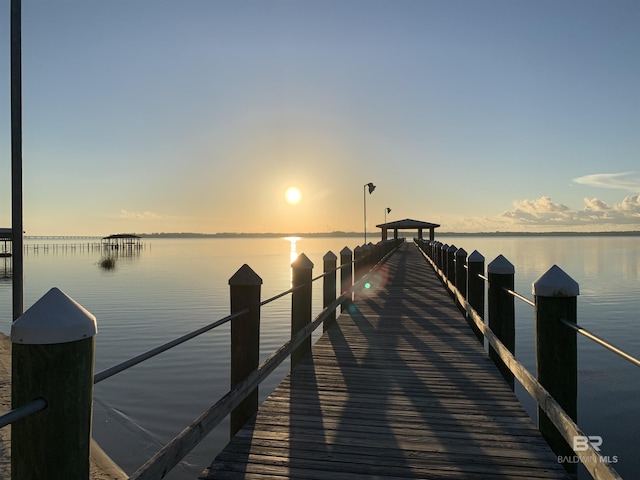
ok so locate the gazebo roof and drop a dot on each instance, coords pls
(407, 223)
(5, 233)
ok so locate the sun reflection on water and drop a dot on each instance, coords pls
(293, 254)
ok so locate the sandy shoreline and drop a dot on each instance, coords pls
(102, 467)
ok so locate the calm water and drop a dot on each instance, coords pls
(175, 286)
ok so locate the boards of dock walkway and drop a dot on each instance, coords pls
(399, 387)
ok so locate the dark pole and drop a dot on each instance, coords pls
(371, 188)
(364, 193)
(16, 158)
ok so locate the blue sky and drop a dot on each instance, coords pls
(188, 115)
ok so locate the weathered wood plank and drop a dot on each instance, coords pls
(398, 387)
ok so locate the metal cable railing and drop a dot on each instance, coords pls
(572, 325)
(519, 297)
(23, 411)
(600, 341)
(121, 367)
(186, 440)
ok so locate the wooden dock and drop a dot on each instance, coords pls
(398, 388)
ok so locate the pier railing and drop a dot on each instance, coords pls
(51, 419)
(555, 312)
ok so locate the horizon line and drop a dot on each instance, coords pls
(339, 233)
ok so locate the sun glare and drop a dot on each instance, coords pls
(293, 195)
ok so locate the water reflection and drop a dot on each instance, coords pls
(294, 249)
(293, 254)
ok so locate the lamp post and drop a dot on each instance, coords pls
(16, 159)
(386, 210)
(371, 187)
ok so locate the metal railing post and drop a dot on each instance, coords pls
(244, 287)
(346, 275)
(52, 358)
(301, 304)
(475, 293)
(556, 350)
(329, 286)
(502, 310)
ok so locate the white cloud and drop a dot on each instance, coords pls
(630, 205)
(621, 181)
(540, 206)
(544, 213)
(595, 204)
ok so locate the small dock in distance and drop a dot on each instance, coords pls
(399, 387)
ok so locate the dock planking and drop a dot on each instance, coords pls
(399, 387)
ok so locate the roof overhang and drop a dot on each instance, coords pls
(407, 224)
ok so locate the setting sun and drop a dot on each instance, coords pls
(293, 195)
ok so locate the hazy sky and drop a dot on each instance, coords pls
(197, 115)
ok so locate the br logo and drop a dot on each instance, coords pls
(581, 443)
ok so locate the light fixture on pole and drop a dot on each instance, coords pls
(386, 210)
(371, 187)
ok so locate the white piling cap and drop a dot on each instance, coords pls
(555, 283)
(55, 318)
(501, 266)
(302, 262)
(475, 256)
(329, 256)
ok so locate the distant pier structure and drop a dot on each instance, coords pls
(5, 241)
(121, 241)
(408, 224)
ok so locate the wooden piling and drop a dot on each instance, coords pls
(301, 304)
(502, 310)
(244, 287)
(475, 293)
(556, 351)
(358, 263)
(329, 286)
(346, 276)
(52, 358)
(461, 273)
(442, 258)
(451, 263)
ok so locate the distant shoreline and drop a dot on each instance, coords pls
(374, 235)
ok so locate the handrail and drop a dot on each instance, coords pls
(575, 327)
(519, 297)
(565, 425)
(169, 455)
(600, 341)
(560, 419)
(282, 294)
(293, 289)
(121, 367)
(165, 459)
(23, 411)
